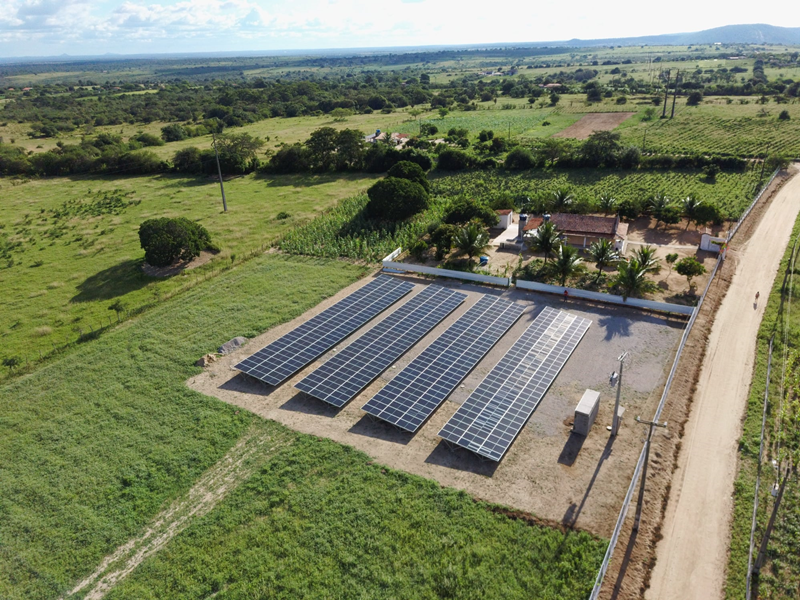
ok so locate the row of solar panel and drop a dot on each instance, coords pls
(491, 417)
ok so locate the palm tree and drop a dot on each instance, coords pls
(608, 204)
(567, 262)
(690, 204)
(562, 198)
(632, 279)
(472, 240)
(603, 254)
(545, 239)
(646, 257)
(659, 204)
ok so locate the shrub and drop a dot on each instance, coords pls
(690, 268)
(694, 99)
(189, 160)
(784, 115)
(395, 199)
(292, 158)
(519, 159)
(417, 157)
(411, 171)
(174, 133)
(165, 240)
(148, 139)
(630, 157)
(454, 160)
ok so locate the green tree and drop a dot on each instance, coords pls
(567, 263)
(349, 150)
(166, 240)
(471, 240)
(321, 146)
(395, 199)
(690, 268)
(690, 206)
(411, 171)
(671, 258)
(601, 149)
(607, 203)
(443, 112)
(554, 98)
(545, 239)
(632, 279)
(646, 257)
(603, 254)
(173, 133)
(463, 210)
(561, 199)
(237, 152)
(694, 99)
(777, 161)
(519, 159)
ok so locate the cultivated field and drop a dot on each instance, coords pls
(594, 122)
(559, 477)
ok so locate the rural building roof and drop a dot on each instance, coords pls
(503, 211)
(582, 225)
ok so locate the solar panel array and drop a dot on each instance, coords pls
(494, 414)
(284, 357)
(418, 390)
(351, 370)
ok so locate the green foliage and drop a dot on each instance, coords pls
(396, 199)
(166, 240)
(462, 210)
(603, 254)
(411, 171)
(471, 240)
(519, 159)
(690, 268)
(454, 160)
(346, 232)
(567, 263)
(632, 279)
(545, 239)
(694, 98)
(784, 115)
(778, 161)
(670, 259)
(173, 133)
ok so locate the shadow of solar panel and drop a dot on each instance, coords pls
(494, 414)
(418, 390)
(285, 356)
(351, 370)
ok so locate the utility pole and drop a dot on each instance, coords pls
(219, 170)
(644, 141)
(762, 551)
(643, 480)
(675, 95)
(666, 97)
(615, 422)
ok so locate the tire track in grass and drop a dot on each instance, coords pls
(253, 449)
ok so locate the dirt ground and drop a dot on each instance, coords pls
(630, 570)
(593, 122)
(558, 476)
(178, 266)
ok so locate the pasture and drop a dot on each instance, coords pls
(69, 248)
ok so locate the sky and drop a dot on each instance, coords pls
(95, 27)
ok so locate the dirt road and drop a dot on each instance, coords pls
(692, 556)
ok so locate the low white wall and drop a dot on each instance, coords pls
(609, 298)
(504, 281)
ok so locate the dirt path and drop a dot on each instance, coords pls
(240, 461)
(692, 556)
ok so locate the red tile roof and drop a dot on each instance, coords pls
(503, 211)
(580, 224)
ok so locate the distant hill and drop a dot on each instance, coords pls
(729, 34)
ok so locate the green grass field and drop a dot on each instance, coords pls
(96, 443)
(72, 264)
(780, 578)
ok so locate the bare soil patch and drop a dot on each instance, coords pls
(593, 122)
(558, 476)
(178, 266)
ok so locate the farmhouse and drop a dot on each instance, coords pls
(582, 230)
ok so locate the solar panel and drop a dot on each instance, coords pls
(351, 370)
(284, 357)
(494, 414)
(418, 390)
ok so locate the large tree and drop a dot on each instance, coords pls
(237, 152)
(395, 199)
(632, 279)
(603, 254)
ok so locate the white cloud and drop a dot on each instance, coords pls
(130, 26)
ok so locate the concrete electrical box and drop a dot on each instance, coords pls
(586, 412)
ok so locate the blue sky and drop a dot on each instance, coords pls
(80, 27)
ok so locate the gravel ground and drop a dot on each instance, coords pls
(558, 476)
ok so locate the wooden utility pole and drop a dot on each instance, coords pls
(615, 422)
(666, 97)
(644, 141)
(219, 170)
(762, 551)
(643, 480)
(675, 95)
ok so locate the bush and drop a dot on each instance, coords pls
(417, 157)
(411, 171)
(395, 199)
(630, 157)
(174, 133)
(784, 116)
(148, 139)
(293, 158)
(694, 99)
(166, 240)
(454, 160)
(519, 159)
(189, 160)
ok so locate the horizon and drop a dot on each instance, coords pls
(78, 28)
